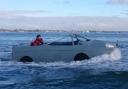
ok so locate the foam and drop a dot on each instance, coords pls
(103, 62)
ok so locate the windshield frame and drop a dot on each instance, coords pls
(78, 36)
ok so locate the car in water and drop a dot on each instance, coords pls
(77, 49)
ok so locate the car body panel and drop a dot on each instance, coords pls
(52, 53)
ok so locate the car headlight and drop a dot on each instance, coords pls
(110, 45)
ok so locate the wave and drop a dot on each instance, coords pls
(108, 61)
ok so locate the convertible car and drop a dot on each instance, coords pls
(79, 48)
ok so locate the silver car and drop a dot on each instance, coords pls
(79, 48)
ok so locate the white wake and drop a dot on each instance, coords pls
(105, 61)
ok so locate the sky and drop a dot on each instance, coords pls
(64, 7)
(64, 14)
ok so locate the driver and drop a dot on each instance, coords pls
(38, 41)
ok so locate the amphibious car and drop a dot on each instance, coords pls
(79, 48)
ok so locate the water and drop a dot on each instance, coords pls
(101, 72)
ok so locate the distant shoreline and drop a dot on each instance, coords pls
(38, 30)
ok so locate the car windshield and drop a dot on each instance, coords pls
(80, 37)
(57, 38)
(60, 40)
(65, 38)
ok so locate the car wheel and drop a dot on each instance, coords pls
(81, 56)
(26, 59)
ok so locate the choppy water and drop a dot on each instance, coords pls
(102, 72)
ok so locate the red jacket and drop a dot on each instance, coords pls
(37, 41)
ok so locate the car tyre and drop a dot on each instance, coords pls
(26, 59)
(81, 56)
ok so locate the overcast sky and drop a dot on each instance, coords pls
(32, 14)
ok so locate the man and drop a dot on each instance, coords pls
(38, 41)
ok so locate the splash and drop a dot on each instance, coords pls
(102, 60)
(116, 54)
(113, 56)
(97, 62)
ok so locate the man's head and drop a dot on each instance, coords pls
(38, 36)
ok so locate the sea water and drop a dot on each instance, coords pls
(107, 71)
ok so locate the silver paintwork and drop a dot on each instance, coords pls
(52, 53)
